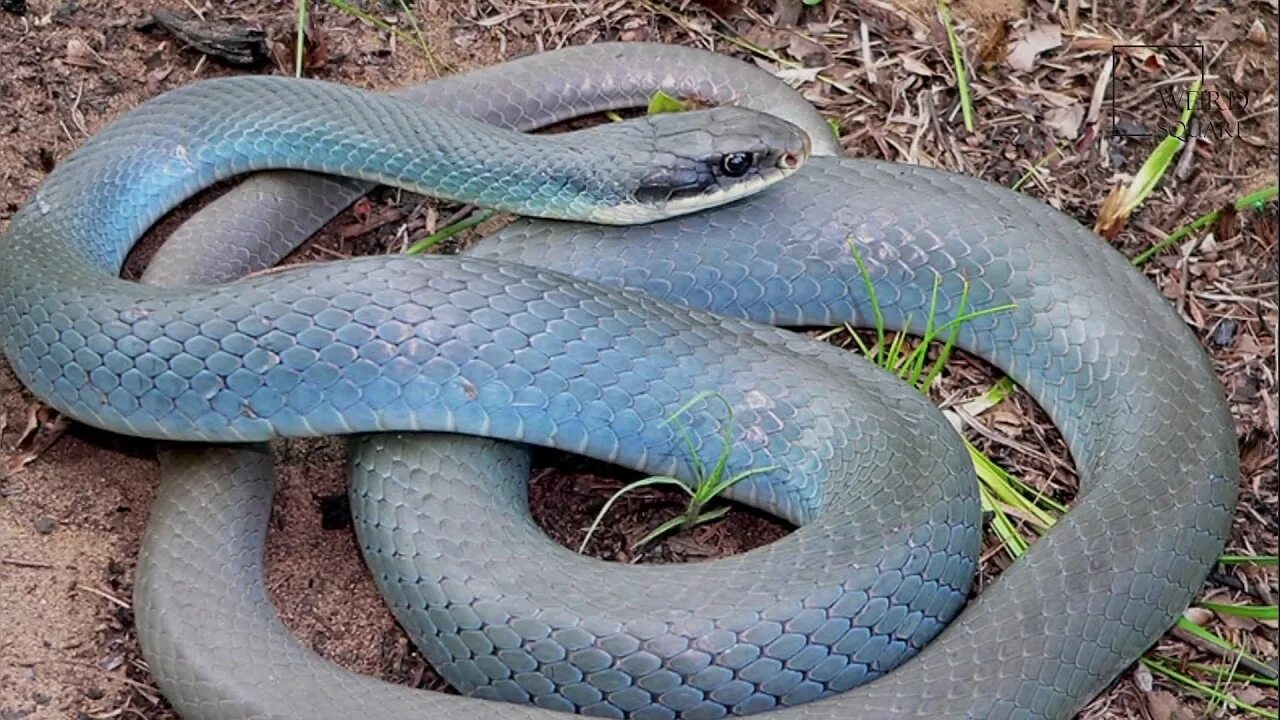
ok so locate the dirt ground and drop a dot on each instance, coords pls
(73, 501)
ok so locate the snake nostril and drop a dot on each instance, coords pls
(789, 161)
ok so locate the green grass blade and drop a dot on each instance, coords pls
(659, 531)
(1253, 612)
(1003, 528)
(998, 393)
(1253, 201)
(447, 232)
(638, 484)
(871, 295)
(735, 479)
(695, 458)
(957, 60)
(1220, 672)
(917, 359)
(708, 516)
(862, 347)
(1007, 489)
(1260, 560)
(954, 332)
(1213, 693)
(892, 359)
(675, 414)
(1209, 637)
(1056, 151)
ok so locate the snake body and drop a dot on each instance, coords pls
(1121, 376)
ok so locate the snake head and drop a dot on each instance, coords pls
(679, 163)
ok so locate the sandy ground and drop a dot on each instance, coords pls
(72, 513)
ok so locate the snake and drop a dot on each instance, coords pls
(683, 305)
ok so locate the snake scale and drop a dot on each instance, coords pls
(621, 330)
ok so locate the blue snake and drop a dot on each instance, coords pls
(585, 338)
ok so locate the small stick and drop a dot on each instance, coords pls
(19, 562)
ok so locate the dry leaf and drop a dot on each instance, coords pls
(1142, 678)
(797, 76)
(1065, 121)
(1003, 417)
(1198, 615)
(791, 76)
(1235, 622)
(1164, 706)
(1022, 54)
(80, 54)
(766, 37)
(44, 427)
(786, 13)
(912, 65)
(808, 52)
(1055, 99)
(1111, 215)
(1250, 695)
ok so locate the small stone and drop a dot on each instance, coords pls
(1258, 33)
(45, 525)
(94, 693)
(1225, 334)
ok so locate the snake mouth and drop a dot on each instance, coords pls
(638, 213)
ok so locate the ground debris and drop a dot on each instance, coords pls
(233, 44)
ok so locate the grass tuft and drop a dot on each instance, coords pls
(1123, 200)
(708, 483)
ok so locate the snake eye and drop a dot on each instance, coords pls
(736, 164)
